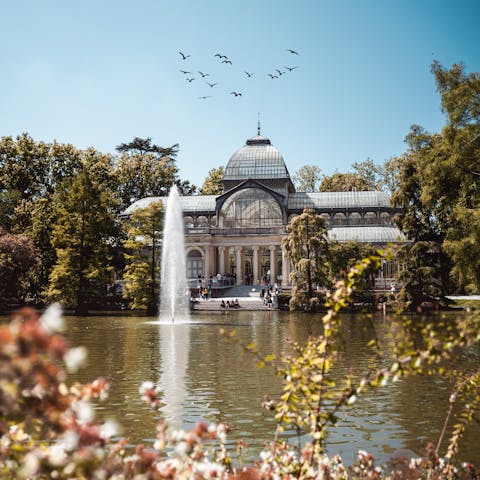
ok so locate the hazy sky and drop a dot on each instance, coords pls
(98, 73)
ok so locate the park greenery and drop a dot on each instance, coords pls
(62, 238)
(48, 428)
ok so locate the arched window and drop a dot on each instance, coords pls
(250, 208)
(385, 218)
(202, 222)
(188, 221)
(370, 218)
(354, 218)
(326, 218)
(194, 264)
(339, 219)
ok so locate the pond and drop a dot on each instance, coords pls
(202, 376)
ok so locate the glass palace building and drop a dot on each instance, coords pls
(239, 232)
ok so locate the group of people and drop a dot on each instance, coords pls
(227, 305)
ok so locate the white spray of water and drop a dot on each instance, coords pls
(174, 297)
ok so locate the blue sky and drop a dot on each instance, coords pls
(98, 73)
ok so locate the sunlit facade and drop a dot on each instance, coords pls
(239, 233)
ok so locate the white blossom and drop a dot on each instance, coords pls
(75, 358)
(83, 410)
(52, 320)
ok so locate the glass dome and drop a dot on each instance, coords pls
(257, 159)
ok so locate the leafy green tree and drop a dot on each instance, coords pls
(30, 173)
(370, 172)
(19, 260)
(212, 184)
(344, 255)
(142, 272)
(84, 233)
(147, 170)
(307, 178)
(343, 182)
(439, 186)
(390, 173)
(307, 248)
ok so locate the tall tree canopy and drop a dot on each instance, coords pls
(439, 184)
(307, 248)
(343, 182)
(142, 272)
(307, 178)
(212, 184)
(84, 234)
(147, 170)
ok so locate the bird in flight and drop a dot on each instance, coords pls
(272, 76)
(190, 80)
(184, 56)
(220, 56)
(185, 72)
(249, 75)
(291, 68)
(227, 61)
(279, 72)
(204, 97)
(203, 74)
(211, 85)
(292, 51)
(237, 94)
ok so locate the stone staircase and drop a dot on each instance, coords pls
(248, 297)
(239, 291)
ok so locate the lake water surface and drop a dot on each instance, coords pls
(204, 377)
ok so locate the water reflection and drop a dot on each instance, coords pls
(174, 350)
(204, 377)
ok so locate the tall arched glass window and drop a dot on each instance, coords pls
(250, 208)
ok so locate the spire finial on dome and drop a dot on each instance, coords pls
(258, 124)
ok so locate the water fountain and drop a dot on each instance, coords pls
(174, 297)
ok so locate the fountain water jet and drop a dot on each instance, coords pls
(174, 297)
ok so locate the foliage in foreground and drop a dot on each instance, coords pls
(47, 429)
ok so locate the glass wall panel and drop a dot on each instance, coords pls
(250, 208)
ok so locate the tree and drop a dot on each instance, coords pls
(439, 186)
(141, 146)
(147, 170)
(19, 260)
(343, 182)
(84, 234)
(30, 173)
(344, 255)
(307, 248)
(370, 172)
(212, 184)
(307, 178)
(144, 232)
(390, 173)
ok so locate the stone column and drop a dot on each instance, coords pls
(239, 271)
(273, 264)
(285, 269)
(255, 265)
(206, 264)
(221, 260)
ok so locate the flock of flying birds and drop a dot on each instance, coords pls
(190, 76)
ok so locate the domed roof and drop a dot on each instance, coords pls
(257, 159)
